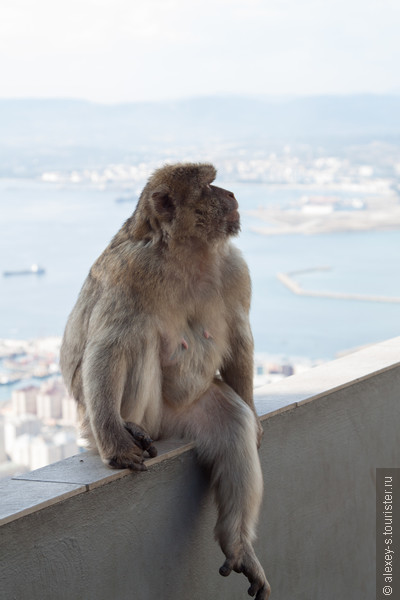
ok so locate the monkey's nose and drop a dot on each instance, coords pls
(233, 202)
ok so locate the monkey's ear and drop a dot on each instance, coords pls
(163, 205)
(207, 172)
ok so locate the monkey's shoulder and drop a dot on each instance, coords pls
(234, 264)
(118, 260)
(235, 279)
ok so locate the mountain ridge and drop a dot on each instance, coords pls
(227, 117)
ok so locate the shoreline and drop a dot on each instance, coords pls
(284, 222)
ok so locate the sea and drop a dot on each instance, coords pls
(64, 227)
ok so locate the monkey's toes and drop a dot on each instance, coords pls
(152, 451)
(141, 438)
(120, 463)
(259, 586)
(263, 592)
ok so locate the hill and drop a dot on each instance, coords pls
(75, 131)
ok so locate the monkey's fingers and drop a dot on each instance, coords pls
(141, 438)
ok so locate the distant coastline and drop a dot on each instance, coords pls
(290, 221)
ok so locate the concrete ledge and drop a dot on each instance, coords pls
(327, 379)
(21, 498)
(27, 493)
(77, 529)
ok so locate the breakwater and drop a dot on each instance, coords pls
(295, 288)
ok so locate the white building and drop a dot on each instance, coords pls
(45, 450)
(50, 400)
(16, 426)
(24, 400)
(49, 405)
(20, 452)
(69, 411)
(36, 451)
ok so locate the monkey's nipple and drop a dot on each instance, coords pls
(184, 344)
(207, 334)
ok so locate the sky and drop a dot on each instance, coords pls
(133, 50)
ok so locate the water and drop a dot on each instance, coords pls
(65, 228)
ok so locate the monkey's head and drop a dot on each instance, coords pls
(179, 202)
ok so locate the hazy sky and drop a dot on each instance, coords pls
(123, 50)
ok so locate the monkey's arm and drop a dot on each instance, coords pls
(238, 368)
(115, 358)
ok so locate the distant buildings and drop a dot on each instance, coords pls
(24, 401)
(267, 370)
(37, 428)
(287, 167)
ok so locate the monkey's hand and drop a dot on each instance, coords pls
(248, 564)
(131, 457)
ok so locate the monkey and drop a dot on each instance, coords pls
(159, 344)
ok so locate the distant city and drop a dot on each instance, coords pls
(373, 169)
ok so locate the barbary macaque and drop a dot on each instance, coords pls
(159, 345)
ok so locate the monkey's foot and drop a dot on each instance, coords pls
(248, 564)
(130, 456)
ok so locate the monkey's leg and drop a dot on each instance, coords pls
(225, 430)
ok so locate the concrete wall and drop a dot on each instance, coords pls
(75, 530)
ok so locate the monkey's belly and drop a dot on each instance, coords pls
(183, 388)
(190, 369)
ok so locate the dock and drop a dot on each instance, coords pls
(295, 288)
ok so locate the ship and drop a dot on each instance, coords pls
(33, 270)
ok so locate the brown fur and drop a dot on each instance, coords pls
(159, 344)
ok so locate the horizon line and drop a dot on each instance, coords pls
(276, 98)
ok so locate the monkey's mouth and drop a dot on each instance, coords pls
(233, 222)
(233, 216)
